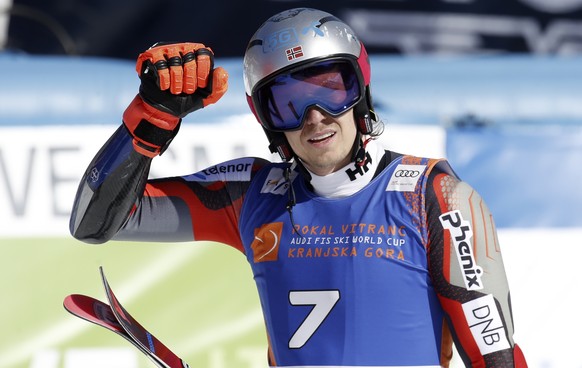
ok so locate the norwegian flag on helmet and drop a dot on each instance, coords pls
(294, 53)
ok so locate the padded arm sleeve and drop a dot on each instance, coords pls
(109, 189)
(468, 273)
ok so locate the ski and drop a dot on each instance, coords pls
(99, 313)
(114, 317)
(139, 334)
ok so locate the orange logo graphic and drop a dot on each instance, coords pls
(266, 244)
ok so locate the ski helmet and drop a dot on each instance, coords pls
(291, 45)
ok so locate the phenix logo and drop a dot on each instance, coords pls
(461, 234)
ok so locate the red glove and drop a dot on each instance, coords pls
(176, 79)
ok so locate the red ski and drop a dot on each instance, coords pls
(115, 318)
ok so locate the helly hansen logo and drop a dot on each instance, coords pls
(265, 246)
(461, 234)
(359, 170)
(486, 324)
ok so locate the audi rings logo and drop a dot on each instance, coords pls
(405, 177)
(406, 173)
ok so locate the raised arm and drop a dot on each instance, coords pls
(176, 79)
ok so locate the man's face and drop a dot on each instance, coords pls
(325, 143)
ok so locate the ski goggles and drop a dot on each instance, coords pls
(282, 102)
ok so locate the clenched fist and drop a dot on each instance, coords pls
(180, 78)
(176, 79)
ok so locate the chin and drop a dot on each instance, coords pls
(326, 167)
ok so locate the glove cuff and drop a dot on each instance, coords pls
(152, 130)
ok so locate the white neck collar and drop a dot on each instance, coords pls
(351, 178)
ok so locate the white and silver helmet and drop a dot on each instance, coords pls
(291, 43)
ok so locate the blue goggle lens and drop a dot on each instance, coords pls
(284, 100)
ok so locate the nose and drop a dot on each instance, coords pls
(314, 115)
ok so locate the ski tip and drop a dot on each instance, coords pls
(74, 301)
(76, 304)
(71, 299)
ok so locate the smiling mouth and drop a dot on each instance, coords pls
(321, 138)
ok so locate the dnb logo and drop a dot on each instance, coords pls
(265, 246)
(486, 324)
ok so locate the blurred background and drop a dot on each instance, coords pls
(494, 86)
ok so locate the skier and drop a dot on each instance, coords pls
(362, 256)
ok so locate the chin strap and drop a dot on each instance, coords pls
(365, 118)
(359, 152)
(291, 193)
(360, 156)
